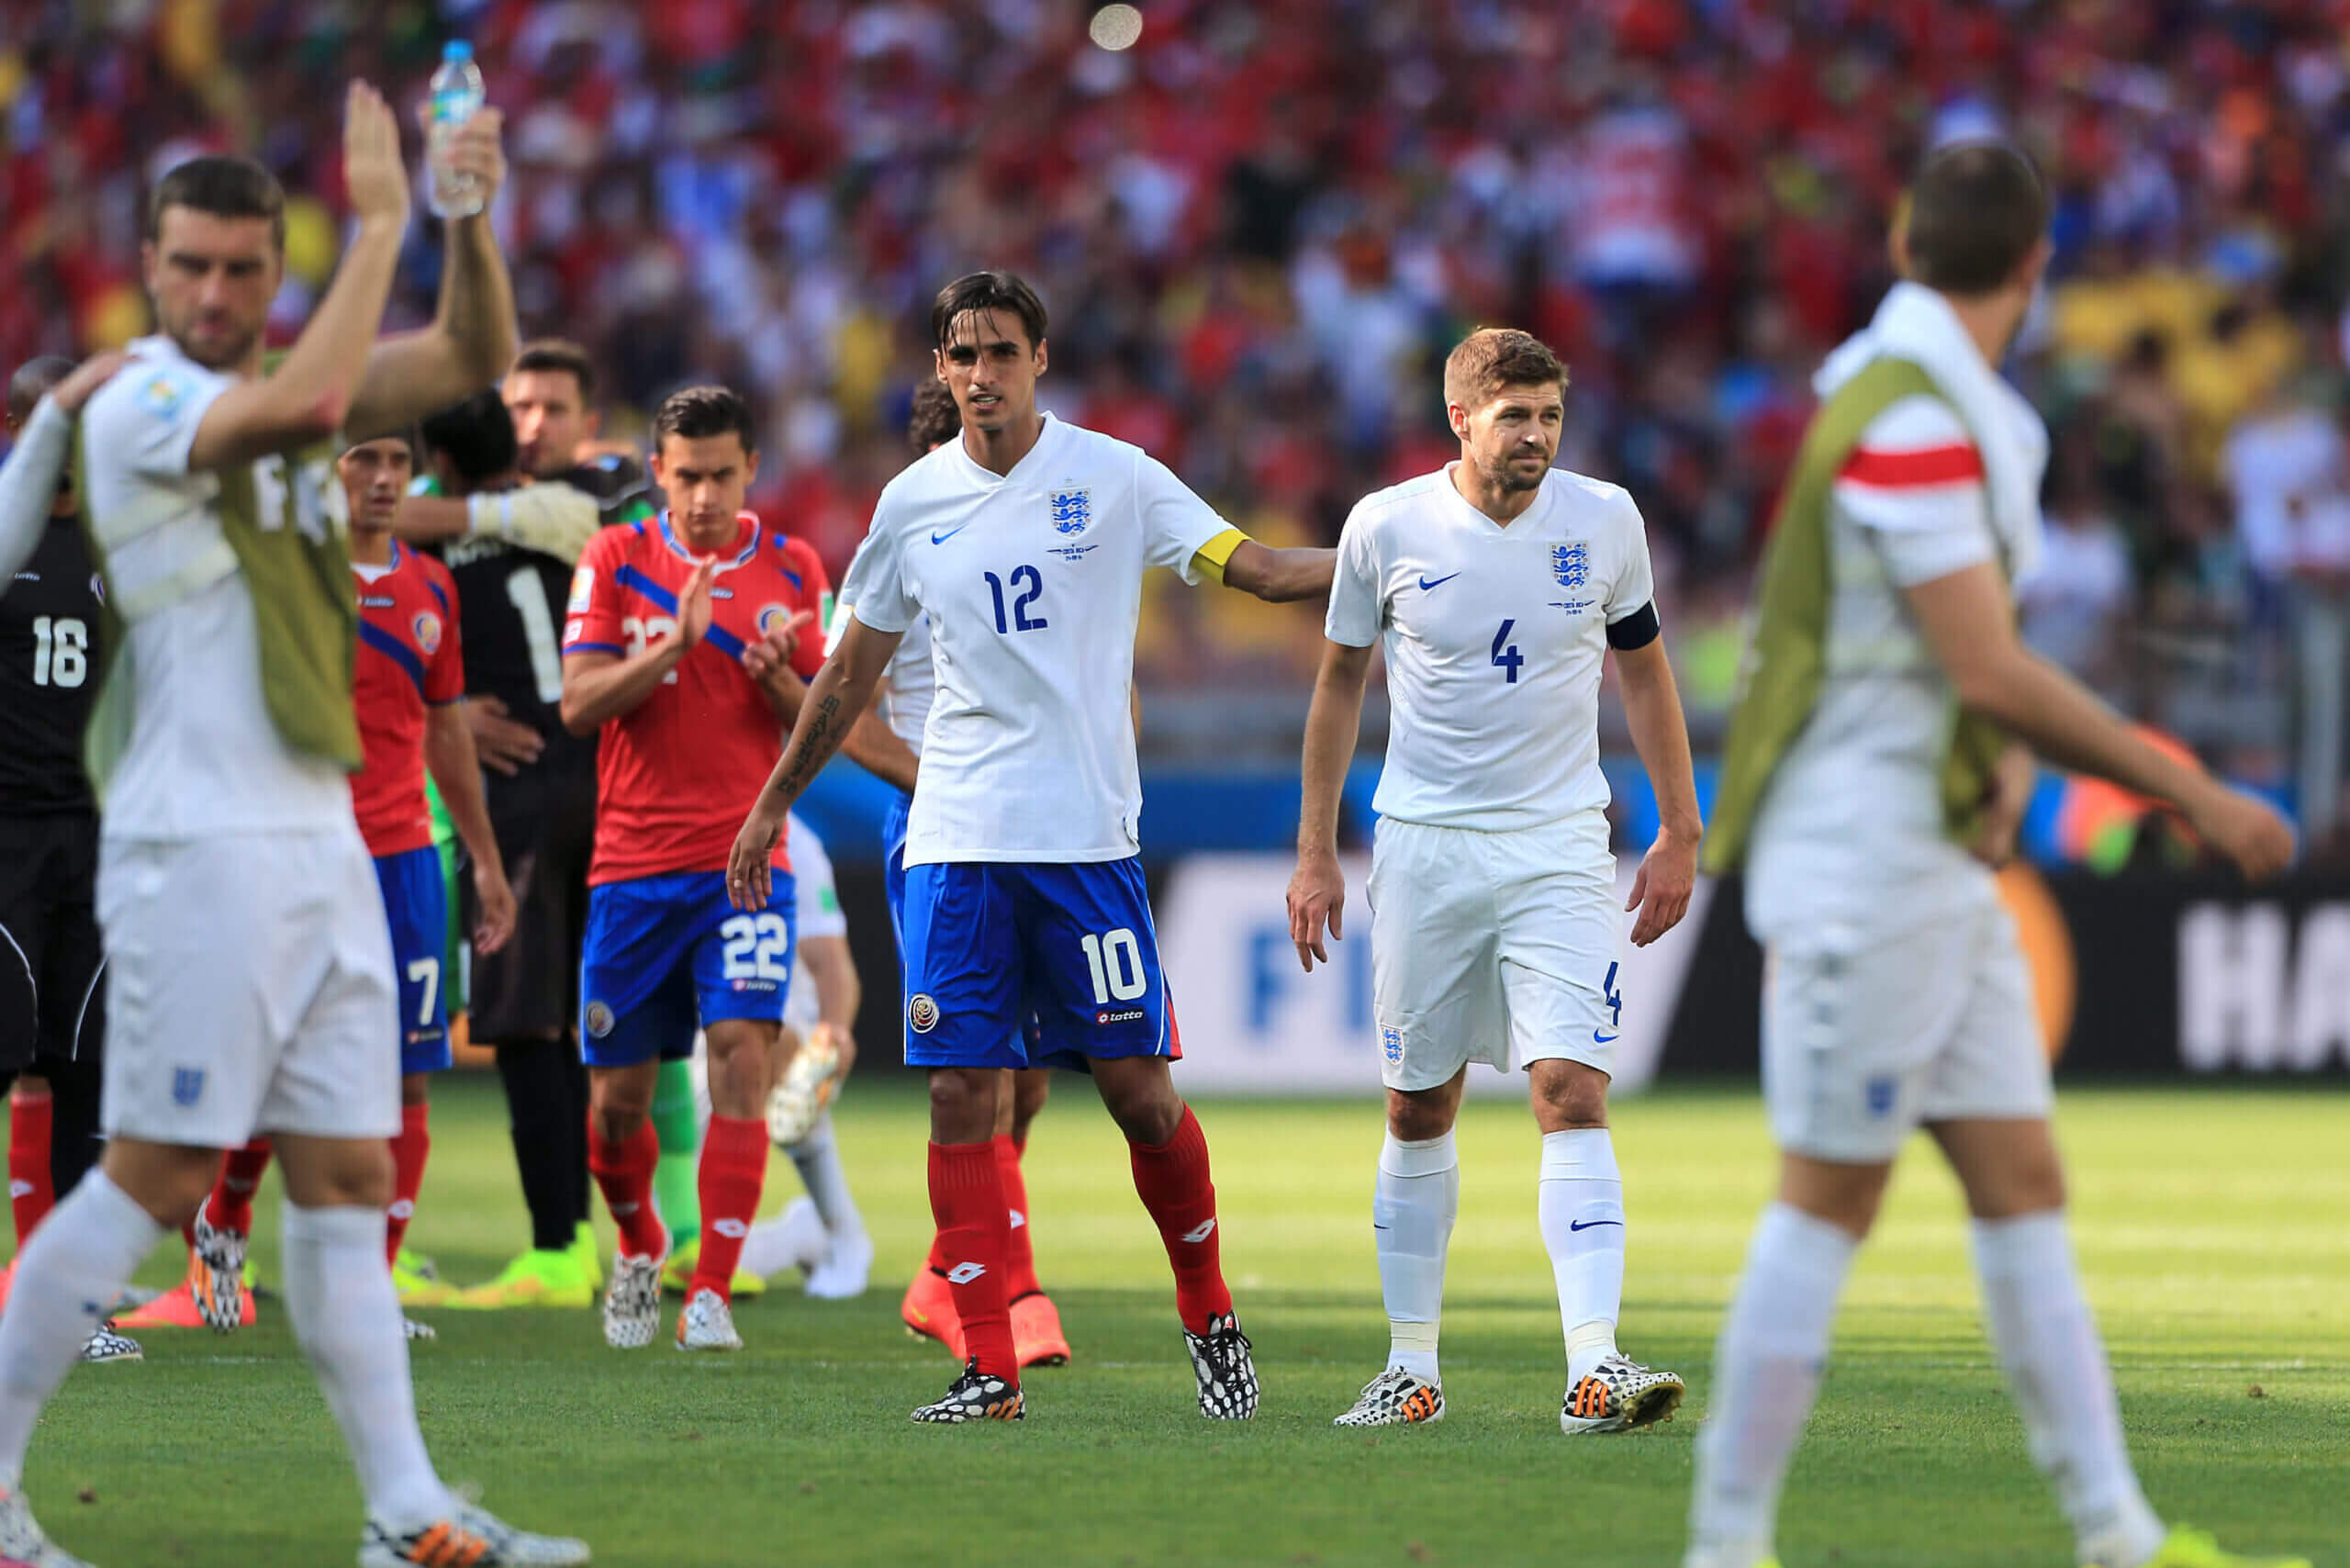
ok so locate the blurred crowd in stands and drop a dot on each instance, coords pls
(1260, 229)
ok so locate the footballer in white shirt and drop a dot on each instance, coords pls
(1028, 935)
(1498, 583)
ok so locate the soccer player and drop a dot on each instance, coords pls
(1498, 585)
(1025, 545)
(53, 1009)
(886, 742)
(249, 969)
(410, 696)
(688, 644)
(1868, 821)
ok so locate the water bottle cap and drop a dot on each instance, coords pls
(456, 49)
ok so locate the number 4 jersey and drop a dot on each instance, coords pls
(677, 775)
(48, 656)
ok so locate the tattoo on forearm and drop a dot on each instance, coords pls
(814, 749)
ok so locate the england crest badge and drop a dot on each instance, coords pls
(1570, 562)
(1072, 510)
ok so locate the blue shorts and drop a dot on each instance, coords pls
(666, 953)
(416, 903)
(1032, 966)
(893, 862)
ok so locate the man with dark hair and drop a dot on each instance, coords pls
(1028, 934)
(53, 1008)
(887, 743)
(1499, 585)
(688, 640)
(1868, 821)
(250, 970)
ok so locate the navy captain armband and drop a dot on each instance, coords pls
(1637, 630)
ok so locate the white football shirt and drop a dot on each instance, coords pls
(1032, 583)
(205, 758)
(1494, 640)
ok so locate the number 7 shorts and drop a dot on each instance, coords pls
(1497, 948)
(1027, 964)
(664, 954)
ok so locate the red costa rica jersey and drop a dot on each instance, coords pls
(407, 658)
(677, 775)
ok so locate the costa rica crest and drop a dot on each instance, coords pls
(1570, 562)
(426, 627)
(1072, 510)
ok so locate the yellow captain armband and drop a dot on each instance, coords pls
(1209, 560)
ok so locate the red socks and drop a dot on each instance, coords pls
(734, 1167)
(30, 1193)
(974, 1235)
(624, 1172)
(230, 1206)
(1020, 1257)
(1173, 1180)
(409, 1152)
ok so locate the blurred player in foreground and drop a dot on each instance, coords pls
(886, 742)
(1499, 584)
(1869, 820)
(251, 980)
(1024, 544)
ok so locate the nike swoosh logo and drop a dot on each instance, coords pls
(943, 538)
(1592, 1224)
(1426, 582)
(1599, 1040)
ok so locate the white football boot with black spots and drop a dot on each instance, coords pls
(976, 1396)
(1228, 1376)
(22, 1544)
(708, 1323)
(217, 1279)
(471, 1535)
(1395, 1398)
(1620, 1395)
(106, 1345)
(633, 1301)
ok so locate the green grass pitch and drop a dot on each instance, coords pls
(2213, 1225)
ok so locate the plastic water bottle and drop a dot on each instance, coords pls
(457, 94)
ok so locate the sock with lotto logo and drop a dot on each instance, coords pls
(30, 1193)
(624, 1172)
(410, 1150)
(1020, 1257)
(677, 1179)
(974, 1234)
(1580, 1206)
(734, 1167)
(231, 1207)
(1173, 1180)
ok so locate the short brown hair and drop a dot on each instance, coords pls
(561, 355)
(222, 187)
(934, 419)
(982, 292)
(697, 412)
(1975, 212)
(1493, 357)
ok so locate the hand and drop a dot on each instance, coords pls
(842, 1041)
(1660, 889)
(693, 606)
(475, 148)
(1317, 892)
(2247, 831)
(2005, 800)
(749, 865)
(769, 657)
(373, 175)
(86, 378)
(496, 922)
(548, 516)
(504, 745)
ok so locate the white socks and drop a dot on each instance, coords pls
(1411, 1210)
(67, 1278)
(817, 1158)
(2055, 1365)
(339, 1293)
(1581, 1207)
(1767, 1364)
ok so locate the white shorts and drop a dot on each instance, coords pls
(249, 989)
(1864, 1040)
(1499, 947)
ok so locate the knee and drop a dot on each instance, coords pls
(416, 1089)
(346, 1173)
(1148, 1112)
(1846, 1197)
(962, 1105)
(2032, 1186)
(1418, 1117)
(169, 1183)
(1569, 1095)
(620, 1104)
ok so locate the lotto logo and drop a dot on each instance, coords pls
(922, 1013)
(403, 1209)
(19, 1189)
(733, 1229)
(964, 1274)
(1127, 1015)
(1200, 1232)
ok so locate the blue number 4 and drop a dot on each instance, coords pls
(1614, 999)
(1507, 658)
(1021, 620)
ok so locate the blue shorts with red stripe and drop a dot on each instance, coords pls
(666, 953)
(416, 903)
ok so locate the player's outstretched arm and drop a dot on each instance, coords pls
(1318, 890)
(311, 394)
(449, 757)
(838, 694)
(1968, 623)
(473, 335)
(548, 516)
(1652, 709)
(44, 444)
(1279, 577)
